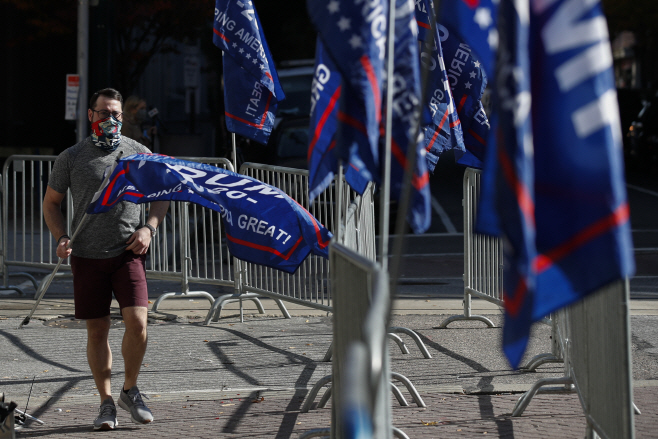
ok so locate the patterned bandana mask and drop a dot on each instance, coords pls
(106, 133)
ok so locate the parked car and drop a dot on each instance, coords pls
(288, 142)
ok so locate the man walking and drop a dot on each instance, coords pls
(108, 255)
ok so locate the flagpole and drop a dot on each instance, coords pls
(405, 191)
(47, 282)
(385, 195)
(235, 153)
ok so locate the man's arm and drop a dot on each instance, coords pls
(52, 213)
(139, 241)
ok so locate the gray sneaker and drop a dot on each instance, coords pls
(132, 402)
(107, 416)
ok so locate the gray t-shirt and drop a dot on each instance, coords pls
(81, 168)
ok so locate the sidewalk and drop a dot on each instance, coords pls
(237, 380)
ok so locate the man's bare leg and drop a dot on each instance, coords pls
(134, 342)
(99, 354)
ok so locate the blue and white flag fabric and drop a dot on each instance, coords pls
(553, 182)
(467, 82)
(263, 224)
(406, 101)
(354, 36)
(249, 107)
(322, 157)
(440, 122)
(474, 22)
(251, 84)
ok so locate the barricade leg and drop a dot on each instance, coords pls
(415, 338)
(182, 294)
(399, 342)
(525, 399)
(468, 315)
(16, 288)
(399, 433)
(410, 387)
(314, 392)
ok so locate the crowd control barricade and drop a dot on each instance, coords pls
(5, 272)
(358, 232)
(361, 364)
(483, 256)
(595, 338)
(309, 285)
(26, 240)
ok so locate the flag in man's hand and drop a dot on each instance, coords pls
(251, 84)
(263, 224)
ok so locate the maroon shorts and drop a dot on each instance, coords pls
(94, 280)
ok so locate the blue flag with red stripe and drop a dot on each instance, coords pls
(251, 84)
(406, 101)
(322, 156)
(354, 36)
(249, 107)
(467, 82)
(553, 183)
(440, 122)
(263, 225)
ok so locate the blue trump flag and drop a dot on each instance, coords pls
(322, 158)
(354, 36)
(263, 224)
(467, 82)
(439, 122)
(469, 27)
(474, 22)
(553, 183)
(406, 101)
(250, 108)
(251, 84)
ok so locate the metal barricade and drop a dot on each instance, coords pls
(360, 369)
(483, 256)
(26, 240)
(310, 284)
(595, 337)
(359, 225)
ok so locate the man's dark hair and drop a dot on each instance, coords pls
(109, 93)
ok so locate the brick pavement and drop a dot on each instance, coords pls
(208, 381)
(277, 416)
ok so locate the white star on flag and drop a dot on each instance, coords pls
(262, 67)
(241, 50)
(468, 85)
(235, 45)
(248, 56)
(355, 42)
(483, 17)
(492, 39)
(473, 74)
(344, 23)
(255, 61)
(333, 6)
(477, 64)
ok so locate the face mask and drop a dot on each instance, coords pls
(141, 115)
(106, 133)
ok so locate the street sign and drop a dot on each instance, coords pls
(72, 93)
